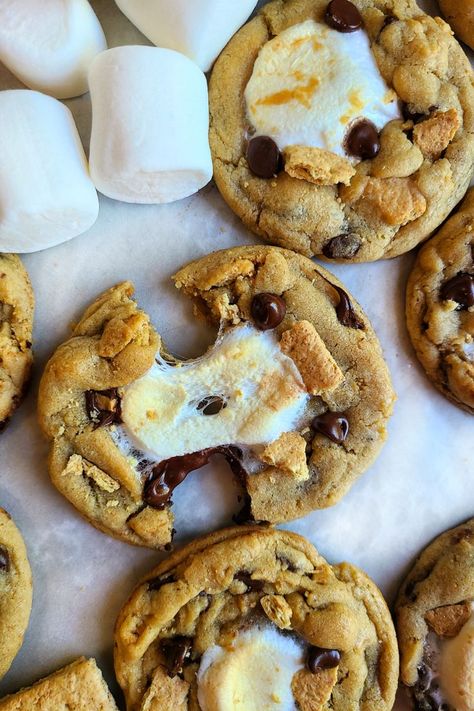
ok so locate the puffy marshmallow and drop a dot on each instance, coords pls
(50, 44)
(197, 28)
(150, 121)
(46, 194)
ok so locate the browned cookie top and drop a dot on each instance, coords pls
(252, 608)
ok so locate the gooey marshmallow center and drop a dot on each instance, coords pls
(457, 668)
(252, 674)
(310, 82)
(261, 387)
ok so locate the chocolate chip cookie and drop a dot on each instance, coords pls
(16, 325)
(15, 591)
(440, 307)
(435, 623)
(79, 686)
(251, 618)
(342, 129)
(294, 394)
(460, 15)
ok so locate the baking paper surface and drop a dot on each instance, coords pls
(420, 485)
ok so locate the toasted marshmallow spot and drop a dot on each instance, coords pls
(261, 389)
(310, 82)
(253, 674)
(457, 668)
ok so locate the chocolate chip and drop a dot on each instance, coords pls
(343, 16)
(460, 289)
(254, 585)
(264, 157)
(389, 20)
(4, 560)
(244, 516)
(176, 651)
(362, 140)
(343, 246)
(103, 407)
(157, 583)
(268, 311)
(345, 311)
(334, 425)
(212, 405)
(319, 658)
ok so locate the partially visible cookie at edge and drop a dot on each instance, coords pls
(435, 623)
(460, 15)
(79, 686)
(16, 326)
(315, 200)
(252, 613)
(440, 307)
(16, 591)
(295, 395)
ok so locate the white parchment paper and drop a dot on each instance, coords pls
(420, 485)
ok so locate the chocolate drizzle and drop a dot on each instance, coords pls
(103, 407)
(4, 560)
(169, 473)
(176, 652)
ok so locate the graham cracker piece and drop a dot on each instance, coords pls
(447, 621)
(317, 166)
(312, 690)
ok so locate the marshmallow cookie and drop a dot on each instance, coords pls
(46, 194)
(435, 624)
(440, 307)
(252, 619)
(49, 45)
(16, 591)
(460, 15)
(16, 326)
(342, 129)
(150, 121)
(79, 686)
(197, 28)
(294, 394)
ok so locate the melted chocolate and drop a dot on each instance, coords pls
(268, 311)
(176, 651)
(334, 425)
(264, 157)
(103, 407)
(319, 658)
(345, 311)
(212, 405)
(343, 16)
(4, 560)
(157, 583)
(253, 585)
(460, 289)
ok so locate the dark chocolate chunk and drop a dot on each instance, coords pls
(176, 651)
(157, 583)
(4, 560)
(212, 405)
(333, 425)
(460, 289)
(343, 16)
(362, 140)
(103, 407)
(268, 310)
(319, 658)
(253, 585)
(264, 157)
(343, 246)
(345, 311)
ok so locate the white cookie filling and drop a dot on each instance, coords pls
(261, 387)
(253, 674)
(310, 82)
(457, 668)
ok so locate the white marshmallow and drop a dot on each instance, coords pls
(49, 44)
(200, 29)
(46, 194)
(150, 121)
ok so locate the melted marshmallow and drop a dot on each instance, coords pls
(457, 668)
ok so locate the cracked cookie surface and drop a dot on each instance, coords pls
(79, 686)
(393, 201)
(16, 325)
(440, 307)
(236, 587)
(435, 623)
(323, 362)
(15, 591)
(460, 15)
